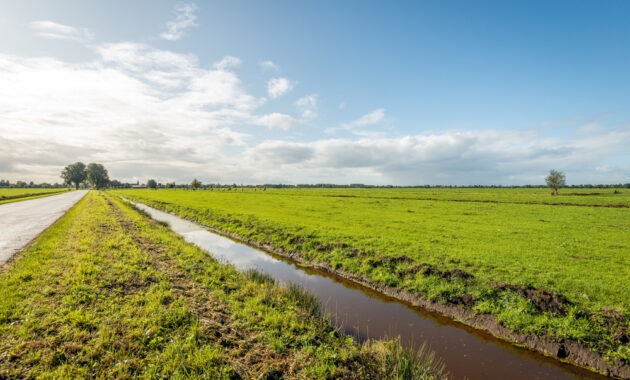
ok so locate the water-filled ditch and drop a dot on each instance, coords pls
(364, 313)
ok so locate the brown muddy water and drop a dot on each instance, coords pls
(364, 313)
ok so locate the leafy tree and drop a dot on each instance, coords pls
(195, 184)
(74, 173)
(97, 175)
(151, 184)
(555, 180)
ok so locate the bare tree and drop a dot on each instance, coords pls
(556, 179)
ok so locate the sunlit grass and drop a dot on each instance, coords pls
(107, 292)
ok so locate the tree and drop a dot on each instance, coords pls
(555, 180)
(195, 184)
(97, 175)
(74, 173)
(151, 184)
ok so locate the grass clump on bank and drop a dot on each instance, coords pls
(558, 271)
(107, 292)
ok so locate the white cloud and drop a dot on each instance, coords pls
(133, 107)
(371, 118)
(342, 105)
(227, 62)
(281, 152)
(55, 31)
(477, 157)
(140, 57)
(269, 65)
(277, 120)
(309, 101)
(309, 114)
(589, 128)
(185, 19)
(307, 105)
(278, 86)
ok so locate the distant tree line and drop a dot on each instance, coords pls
(95, 175)
(342, 186)
(152, 184)
(31, 184)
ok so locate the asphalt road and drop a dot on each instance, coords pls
(23, 221)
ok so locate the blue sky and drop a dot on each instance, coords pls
(294, 92)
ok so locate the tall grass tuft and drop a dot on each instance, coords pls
(307, 301)
(259, 277)
(406, 364)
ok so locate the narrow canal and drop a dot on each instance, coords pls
(364, 313)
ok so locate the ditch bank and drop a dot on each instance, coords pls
(563, 350)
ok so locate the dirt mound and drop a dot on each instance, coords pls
(615, 322)
(466, 300)
(543, 300)
(431, 270)
(458, 273)
(397, 259)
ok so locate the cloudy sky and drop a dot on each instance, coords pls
(439, 92)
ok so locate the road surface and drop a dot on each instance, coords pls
(23, 221)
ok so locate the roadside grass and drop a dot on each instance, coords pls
(559, 271)
(15, 195)
(107, 292)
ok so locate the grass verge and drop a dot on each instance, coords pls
(107, 292)
(7, 196)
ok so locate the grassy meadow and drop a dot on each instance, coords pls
(106, 292)
(557, 270)
(602, 197)
(8, 195)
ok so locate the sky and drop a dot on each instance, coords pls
(373, 92)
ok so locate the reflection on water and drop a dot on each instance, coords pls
(363, 313)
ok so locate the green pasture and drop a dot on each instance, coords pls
(594, 196)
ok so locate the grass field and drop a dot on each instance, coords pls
(108, 293)
(559, 271)
(13, 195)
(506, 195)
